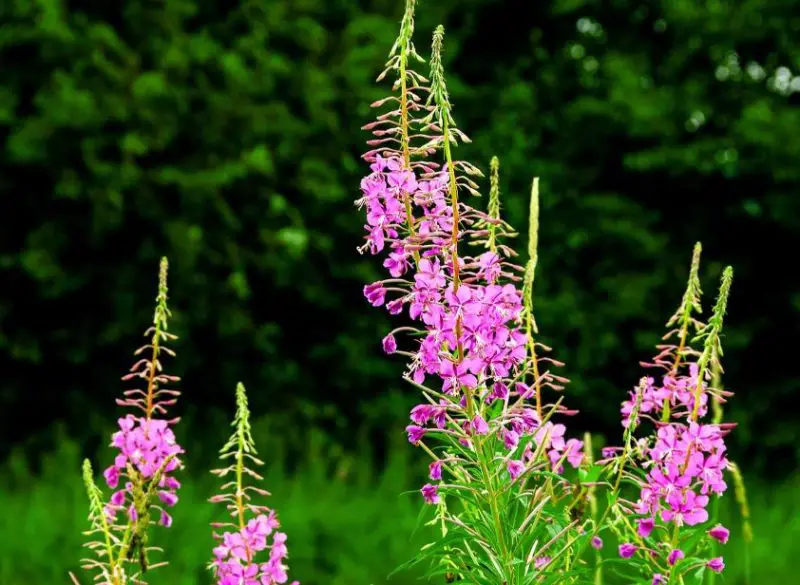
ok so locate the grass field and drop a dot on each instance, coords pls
(349, 523)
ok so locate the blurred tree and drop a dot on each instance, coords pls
(226, 136)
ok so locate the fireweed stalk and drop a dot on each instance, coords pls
(666, 534)
(485, 420)
(142, 470)
(254, 527)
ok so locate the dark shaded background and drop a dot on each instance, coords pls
(226, 136)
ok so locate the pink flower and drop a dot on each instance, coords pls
(515, 468)
(719, 533)
(479, 425)
(455, 376)
(415, 433)
(389, 344)
(627, 550)
(435, 470)
(716, 564)
(431, 493)
(674, 556)
(646, 526)
(511, 439)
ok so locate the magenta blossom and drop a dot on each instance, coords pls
(431, 493)
(716, 564)
(719, 533)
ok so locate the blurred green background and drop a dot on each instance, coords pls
(226, 136)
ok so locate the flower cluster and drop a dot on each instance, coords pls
(676, 392)
(234, 560)
(681, 466)
(472, 337)
(234, 556)
(149, 448)
(148, 456)
(485, 419)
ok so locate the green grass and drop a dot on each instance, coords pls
(349, 523)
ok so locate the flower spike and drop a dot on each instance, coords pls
(254, 528)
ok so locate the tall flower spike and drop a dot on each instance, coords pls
(533, 255)
(491, 228)
(148, 452)
(106, 563)
(682, 465)
(473, 361)
(234, 560)
(494, 202)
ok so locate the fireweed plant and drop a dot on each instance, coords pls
(142, 473)
(254, 527)
(666, 534)
(142, 477)
(506, 510)
(509, 509)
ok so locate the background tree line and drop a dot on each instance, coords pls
(226, 136)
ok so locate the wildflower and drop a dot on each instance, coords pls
(597, 542)
(684, 460)
(479, 425)
(375, 293)
(719, 533)
(659, 579)
(645, 527)
(515, 468)
(511, 439)
(415, 433)
(435, 470)
(147, 455)
(541, 561)
(627, 550)
(473, 355)
(716, 564)
(431, 493)
(674, 556)
(389, 344)
(234, 558)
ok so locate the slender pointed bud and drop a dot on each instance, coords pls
(533, 243)
(88, 477)
(691, 297)
(403, 44)
(690, 303)
(494, 202)
(439, 96)
(162, 311)
(740, 493)
(710, 335)
(533, 222)
(716, 382)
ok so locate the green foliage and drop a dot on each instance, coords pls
(345, 520)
